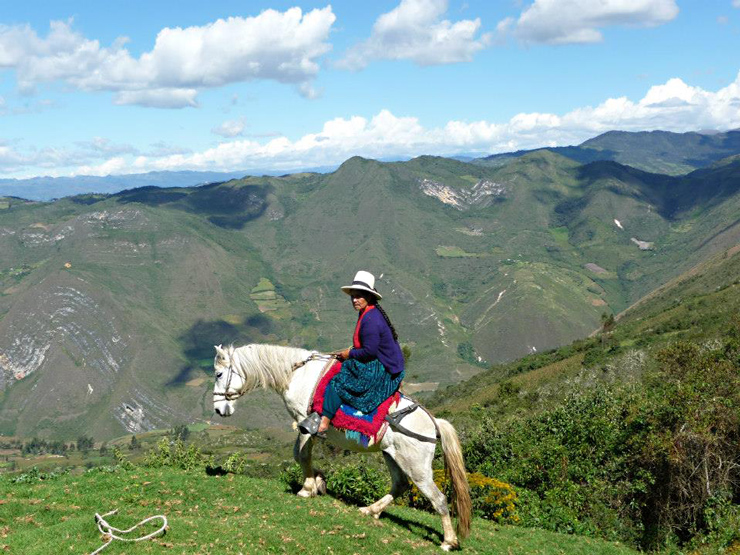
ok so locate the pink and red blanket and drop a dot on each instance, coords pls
(365, 429)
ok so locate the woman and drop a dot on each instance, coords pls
(373, 367)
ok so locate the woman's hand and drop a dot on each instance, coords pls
(342, 355)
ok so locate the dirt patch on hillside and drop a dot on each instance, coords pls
(411, 388)
(596, 269)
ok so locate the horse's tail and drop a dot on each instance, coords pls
(455, 468)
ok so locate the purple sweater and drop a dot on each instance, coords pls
(377, 341)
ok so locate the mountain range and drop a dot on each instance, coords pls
(110, 304)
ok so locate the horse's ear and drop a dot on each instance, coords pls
(218, 348)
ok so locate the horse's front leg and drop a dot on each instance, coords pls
(313, 482)
(399, 484)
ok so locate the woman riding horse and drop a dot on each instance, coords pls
(373, 368)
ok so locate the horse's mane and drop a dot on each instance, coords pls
(265, 366)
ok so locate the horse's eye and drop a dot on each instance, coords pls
(218, 375)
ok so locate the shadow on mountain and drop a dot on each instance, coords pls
(229, 207)
(87, 200)
(198, 341)
(151, 195)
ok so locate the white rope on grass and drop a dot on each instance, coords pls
(107, 530)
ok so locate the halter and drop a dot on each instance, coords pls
(232, 396)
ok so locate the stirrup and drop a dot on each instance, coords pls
(310, 424)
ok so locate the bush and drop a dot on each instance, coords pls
(121, 461)
(176, 455)
(35, 475)
(648, 464)
(292, 477)
(351, 482)
(492, 499)
(180, 431)
(567, 464)
(235, 464)
(357, 484)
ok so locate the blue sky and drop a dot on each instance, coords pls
(129, 87)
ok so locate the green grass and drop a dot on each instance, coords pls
(455, 252)
(560, 234)
(236, 514)
(264, 285)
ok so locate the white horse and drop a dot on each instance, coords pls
(294, 373)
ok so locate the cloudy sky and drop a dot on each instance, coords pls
(128, 87)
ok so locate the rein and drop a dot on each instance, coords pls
(312, 356)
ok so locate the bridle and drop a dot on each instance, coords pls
(231, 396)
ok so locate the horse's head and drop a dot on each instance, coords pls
(229, 382)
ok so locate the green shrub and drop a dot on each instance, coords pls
(640, 463)
(121, 460)
(176, 455)
(357, 483)
(235, 464)
(351, 482)
(35, 475)
(491, 498)
(292, 477)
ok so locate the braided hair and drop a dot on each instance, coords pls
(388, 321)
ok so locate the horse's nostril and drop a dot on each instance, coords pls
(218, 411)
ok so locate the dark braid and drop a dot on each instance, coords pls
(388, 320)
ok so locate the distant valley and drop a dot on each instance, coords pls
(110, 304)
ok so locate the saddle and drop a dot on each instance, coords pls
(366, 429)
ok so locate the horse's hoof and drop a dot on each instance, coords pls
(305, 493)
(366, 511)
(449, 546)
(320, 485)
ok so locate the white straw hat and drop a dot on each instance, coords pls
(364, 281)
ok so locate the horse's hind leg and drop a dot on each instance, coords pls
(399, 484)
(423, 477)
(313, 482)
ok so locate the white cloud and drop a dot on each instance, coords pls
(736, 3)
(158, 98)
(579, 21)
(230, 128)
(415, 31)
(279, 46)
(672, 106)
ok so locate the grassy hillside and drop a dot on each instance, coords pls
(235, 514)
(604, 436)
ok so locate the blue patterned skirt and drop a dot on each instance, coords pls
(365, 385)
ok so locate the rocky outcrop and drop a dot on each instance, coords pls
(63, 317)
(482, 194)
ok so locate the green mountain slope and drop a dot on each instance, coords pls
(696, 306)
(110, 305)
(652, 151)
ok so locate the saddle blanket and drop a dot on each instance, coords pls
(366, 429)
